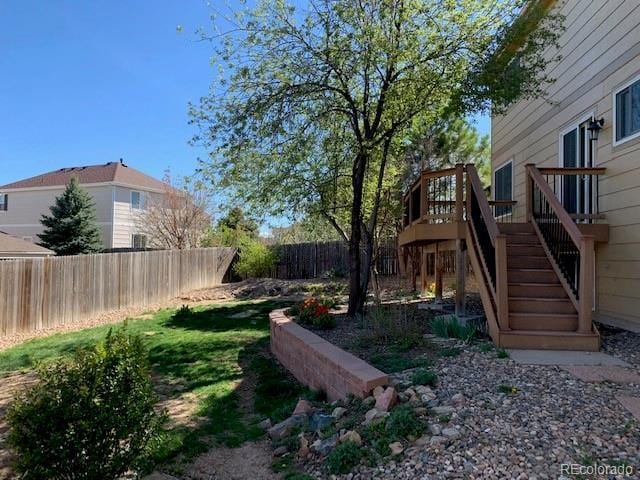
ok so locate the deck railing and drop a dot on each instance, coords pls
(491, 245)
(572, 251)
(436, 197)
(577, 189)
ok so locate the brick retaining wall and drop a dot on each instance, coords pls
(318, 364)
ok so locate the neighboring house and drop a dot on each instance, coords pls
(119, 192)
(557, 245)
(597, 78)
(12, 247)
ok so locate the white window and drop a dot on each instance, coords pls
(4, 202)
(136, 200)
(503, 187)
(626, 108)
(138, 241)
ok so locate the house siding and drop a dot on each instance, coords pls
(22, 219)
(124, 216)
(600, 50)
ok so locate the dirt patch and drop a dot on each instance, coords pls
(265, 287)
(250, 461)
(10, 386)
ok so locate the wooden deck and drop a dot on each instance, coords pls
(534, 277)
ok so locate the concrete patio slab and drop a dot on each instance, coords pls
(632, 404)
(564, 357)
(611, 373)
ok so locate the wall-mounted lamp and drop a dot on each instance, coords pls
(594, 128)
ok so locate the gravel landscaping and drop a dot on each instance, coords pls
(490, 417)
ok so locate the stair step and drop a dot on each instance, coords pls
(524, 250)
(522, 239)
(532, 275)
(516, 228)
(537, 290)
(550, 340)
(543, 321)
(533, 261)
(541, 305)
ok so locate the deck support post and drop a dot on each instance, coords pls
(587, 266)
(438, 271)
(461, 270)
(424, 276)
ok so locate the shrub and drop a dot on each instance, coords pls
(326, 321)
(450, 327)
(254, 259)
(393, 362)
(343, 458)
(183, 312)
(397, 325)
(88, 417)
(502, 353)
(316, 312)
(507, 389)
(424, 377)
(403, 422)
(449, 352)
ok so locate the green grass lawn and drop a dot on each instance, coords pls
(204, 352)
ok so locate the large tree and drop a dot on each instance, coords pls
(315, 104)
(71, 228)
(177, 218)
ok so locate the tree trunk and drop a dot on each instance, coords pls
(357, 295)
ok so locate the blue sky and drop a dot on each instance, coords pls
(86, 82)
(89, 82)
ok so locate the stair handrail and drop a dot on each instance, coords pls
(585, 244)
(498, 285)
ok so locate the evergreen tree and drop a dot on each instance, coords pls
(71, 228)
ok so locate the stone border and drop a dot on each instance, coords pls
(319, 364)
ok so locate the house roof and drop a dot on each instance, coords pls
(13, 245)
(116, 172)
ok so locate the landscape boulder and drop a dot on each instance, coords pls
(319, 421)
(284, 428)
(387, 399)
(323, 447)
(396, 448)
(302, 407)
(338, 412)
(351, 436)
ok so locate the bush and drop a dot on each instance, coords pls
(403, 422)
(393, 324)
(316, 312)
(451, 328)
(343, 458)
(90, 417)
(424, 377)
(254, 259)
(183, 312)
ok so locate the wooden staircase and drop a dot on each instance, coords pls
(528, 301)
(541, 314)
(535, 278)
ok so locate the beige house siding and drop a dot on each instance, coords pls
(600, 51)
(22, 218)
(124, 215)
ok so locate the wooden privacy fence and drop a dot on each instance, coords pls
(38, 293)
(317, 259)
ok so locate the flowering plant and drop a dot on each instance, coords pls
(316, 312)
